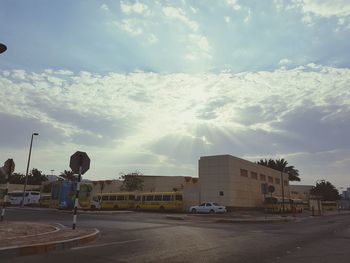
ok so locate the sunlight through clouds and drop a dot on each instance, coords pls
(174, 117)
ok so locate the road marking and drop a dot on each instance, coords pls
(108, 244)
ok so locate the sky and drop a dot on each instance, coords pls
(151, 86)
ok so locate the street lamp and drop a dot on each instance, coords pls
(26, 180)
(282, 182)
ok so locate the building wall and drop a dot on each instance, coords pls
(300, 191)
(236, 182)
(19, 187)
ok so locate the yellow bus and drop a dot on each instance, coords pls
(159, 201)
(275, 205)
(120, 200)
(329, 205)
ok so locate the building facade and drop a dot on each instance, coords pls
(300, 192)
(238, 183)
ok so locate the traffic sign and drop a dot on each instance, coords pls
(9, 166)
(79, 159)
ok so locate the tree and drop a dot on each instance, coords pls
(36, 177)
(68, 175)
(326, 190)
(131, 182)
(281, 165)
(17, 178)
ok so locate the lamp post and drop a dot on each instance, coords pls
(26, 180)
(282, 183)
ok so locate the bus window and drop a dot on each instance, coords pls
(158, 198)
(120, 197)
(178, 197)
(138, 198)
(143, 198)
(112, 198)
(131, 197)
(166, 197)
(105, 198)
(149, 198)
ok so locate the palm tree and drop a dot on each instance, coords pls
(68, 175)
(281, 165)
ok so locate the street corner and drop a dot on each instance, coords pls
(21, 239)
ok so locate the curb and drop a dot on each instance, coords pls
(48, 246)
(175, 217)
(255, 221)
(70, 211)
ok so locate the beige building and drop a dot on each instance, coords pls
(300, 191)
(238, 183)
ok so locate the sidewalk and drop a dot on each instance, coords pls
(21, 238)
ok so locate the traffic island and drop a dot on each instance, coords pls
(20, 239)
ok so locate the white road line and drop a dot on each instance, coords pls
(108, 244)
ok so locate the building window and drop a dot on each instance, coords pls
(278, 181)
(294, 193)
(221, 193)
(244, 173)
(270, 179)
(285, 182)
(262, 177)
(254, 175)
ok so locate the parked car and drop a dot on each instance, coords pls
(208, 207)
(95, 203)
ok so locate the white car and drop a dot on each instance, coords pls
(208, 207)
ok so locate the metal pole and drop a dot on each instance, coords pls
(282, 182)
(26, 179)
(76, 200)
(6, 194)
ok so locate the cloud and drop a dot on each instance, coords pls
(284, 62)
(178, 14)
(248, 17)
(173, 119)
(136, 7)
(316, 9)
(152, 39)
(233, 4)
(130, 26)
(104, 7)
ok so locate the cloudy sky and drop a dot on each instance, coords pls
(153, 85)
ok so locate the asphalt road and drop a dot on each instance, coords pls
(150, 237)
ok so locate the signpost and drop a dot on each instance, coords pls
(7, 169)
(79, 163)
